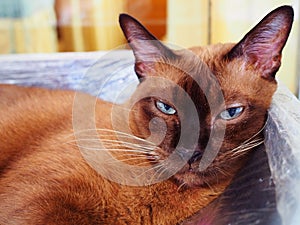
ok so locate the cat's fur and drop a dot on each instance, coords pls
(45, 180)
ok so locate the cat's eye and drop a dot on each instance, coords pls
(165, 108)
(231, 113)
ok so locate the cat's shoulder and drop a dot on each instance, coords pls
(14, 95)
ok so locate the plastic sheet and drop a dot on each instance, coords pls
(283, 148)
(256, 196)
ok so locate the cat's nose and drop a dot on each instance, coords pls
(196, 155)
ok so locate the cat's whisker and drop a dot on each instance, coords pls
(125, 134)
(216, 174)
(249, 142)
(246, 147)
(222, 171)
(127, 143)
(161, 173)
(130, 137)
(114, 132)
(96, 140)
(113, 150)
(209, 186)
(116, 143)
(255, 135)
(111, 161)
(181, 186)
(239, 154)
(134, 155)
(154, 168)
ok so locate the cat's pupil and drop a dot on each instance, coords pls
(165, 108)
(232, 112)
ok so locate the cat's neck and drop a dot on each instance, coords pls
(168, 202)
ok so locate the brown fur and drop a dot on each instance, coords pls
(45, 180)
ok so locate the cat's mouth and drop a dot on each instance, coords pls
(190, 176)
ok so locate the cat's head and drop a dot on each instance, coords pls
(205, 102)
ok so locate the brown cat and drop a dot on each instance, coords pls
(192, 122)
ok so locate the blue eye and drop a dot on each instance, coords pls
(165, 108)
(231, 113)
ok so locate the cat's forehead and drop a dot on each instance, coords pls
(208, 67)
(212, 55)
(205, 72)
(189, 63)
(238, 81)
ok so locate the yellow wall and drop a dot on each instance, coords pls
(230, 21)
(187, 22)
(90, 25)
(34, 33)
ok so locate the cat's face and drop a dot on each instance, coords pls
(207, 105)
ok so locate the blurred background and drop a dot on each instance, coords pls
(48, 26)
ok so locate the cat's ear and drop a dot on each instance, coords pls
(261, 47)
(146, 48)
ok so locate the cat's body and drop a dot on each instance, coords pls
(44, 178)
(47, 181)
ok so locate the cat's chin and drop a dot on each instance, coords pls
(191, 178)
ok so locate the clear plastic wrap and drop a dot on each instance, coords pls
(282, 140)
(254, 195)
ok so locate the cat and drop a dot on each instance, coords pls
(209, 116)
